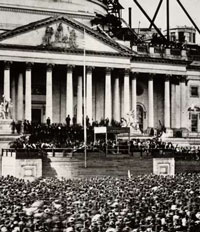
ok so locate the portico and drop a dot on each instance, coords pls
(59, 90)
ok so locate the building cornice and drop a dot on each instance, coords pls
(60, 50)
(81, 15)
(191, 67)
(158, 60)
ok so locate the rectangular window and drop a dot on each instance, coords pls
(194, 123)
(194, 91)
(181, 36)
(194, 38)
(173, 36)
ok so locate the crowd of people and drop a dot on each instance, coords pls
(145, 203)
(43, 137)
(26, 127)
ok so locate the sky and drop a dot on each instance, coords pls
(177, 16)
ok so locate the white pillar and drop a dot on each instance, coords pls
(126, 92)
(89, 94)
(116, 102)
(69, 93)
(178, 106)
(150, 102)
(167, 103)
(108, 95)
(80, 100)
(28, 101)
(182, 102)
(13, 99)
(20, 105)
(173, 105)
(49, 92)
(7, 81)
(134, 96)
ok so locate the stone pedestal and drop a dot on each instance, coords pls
(164, 166)
(5, 126)
(169, 134)
(27, 169)
(135, 130)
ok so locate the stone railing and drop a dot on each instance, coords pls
(37, 153)
(158, 51)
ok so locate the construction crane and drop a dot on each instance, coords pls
(112, 23)
(165, 39)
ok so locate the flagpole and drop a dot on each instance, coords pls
(84, 101)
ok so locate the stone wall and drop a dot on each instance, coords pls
(22, 12)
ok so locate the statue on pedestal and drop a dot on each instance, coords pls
(131, 121)
(5, 108)
(2, 113)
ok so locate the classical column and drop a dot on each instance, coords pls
(69, 93)
(28, 106)
(108, 95)
(89, 93)
(20, 104)
(13, 99)
(178, 107)
(80, 100)
(173, 105)
(126, 92)
(167, 103)
(182, 102)
(150, 102)
(134, 95)
(49, 92)
(116, 102)
(6, 88)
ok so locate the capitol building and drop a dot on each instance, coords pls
(45, 46)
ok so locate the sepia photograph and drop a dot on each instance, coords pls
(99, 116)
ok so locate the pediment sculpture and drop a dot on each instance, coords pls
(60, 37)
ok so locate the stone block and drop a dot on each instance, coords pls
(27, 169)
(164, 166)
(5, 126)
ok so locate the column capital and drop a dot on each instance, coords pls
(29, 66)
(152, 76)
(127, 71)
(183, 78)
(49, 67)
(7, 64)
(70, 67)
(134, 74)
(109, 70)
(90, 68)
(168, 77)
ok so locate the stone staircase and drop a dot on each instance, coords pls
(97, 165)
(110, 165)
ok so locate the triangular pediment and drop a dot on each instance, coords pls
(62, 33)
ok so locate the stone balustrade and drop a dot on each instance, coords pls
(158, 51)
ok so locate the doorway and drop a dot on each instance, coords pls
(36, 115)
(194, 123)
(140, 117)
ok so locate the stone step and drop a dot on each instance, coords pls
(9, 137)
